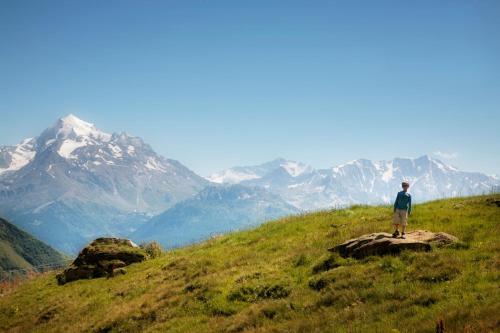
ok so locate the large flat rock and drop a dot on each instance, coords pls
(382, 243)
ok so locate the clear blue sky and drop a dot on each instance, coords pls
(222, 83)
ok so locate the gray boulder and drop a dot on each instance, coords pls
(382, 243)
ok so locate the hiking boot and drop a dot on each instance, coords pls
(395, 234)
(403, 235)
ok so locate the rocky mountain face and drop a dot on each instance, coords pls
(75, 182)
(359, 181)
(216, 209)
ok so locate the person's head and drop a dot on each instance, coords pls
(405, 185)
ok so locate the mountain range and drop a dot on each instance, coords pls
(75, 182)
(358, 181)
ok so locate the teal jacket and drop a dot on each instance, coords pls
(403, 201)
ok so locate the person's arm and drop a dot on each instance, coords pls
(409, 205)
(396, 202)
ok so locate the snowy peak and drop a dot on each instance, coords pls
(89, 150)
(81, 144)
(296, 169)
(240, 174)
(72, 126)
(70, 133)
(16, 157)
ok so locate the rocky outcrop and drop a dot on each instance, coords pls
(103, 257)
(493, 202)
(383, 243)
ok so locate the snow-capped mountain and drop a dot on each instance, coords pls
(13, 158)
(239, 174)
(359, 181)
(216, 209)
(74, 182)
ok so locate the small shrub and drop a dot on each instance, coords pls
(255, 293)
(318, 283)
(218, 306)
(425, 300)
(153, 249)
(248, 277)
(327, 300)
(192, 287)
(302, 260)
(276, 310)
(332, 261)
(269, 313)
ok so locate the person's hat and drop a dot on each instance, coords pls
(405, 183)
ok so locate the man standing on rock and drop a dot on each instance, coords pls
(402, 208)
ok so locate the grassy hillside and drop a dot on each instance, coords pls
(279, 277)
(19, 249)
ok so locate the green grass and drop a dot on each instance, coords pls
(20, 250)
(280, 277)
(10, 259)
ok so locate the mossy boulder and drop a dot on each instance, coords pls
(103, 257)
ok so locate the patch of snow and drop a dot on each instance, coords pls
(231, 176)
(440, 165)
(49, 142)
(22, 155)
(319, 188)
(295, 169)
(244, 196)
(108, 162)
(36, 222)
(152, 164)
(388, 174)
(68, 146)
(131, 150)
(117, 151)
(340, 168)
(295, 185)
(444, 167)
(39, 208)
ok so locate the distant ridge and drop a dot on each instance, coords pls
(359, 181)
(20, 250)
